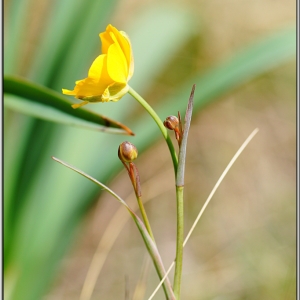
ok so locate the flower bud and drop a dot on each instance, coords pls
(171, 122)
(127, 152)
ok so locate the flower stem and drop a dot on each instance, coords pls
(179, 195)
(159, 123)
(135, 179)
(178, 166)
(179, 242)
(144, 216)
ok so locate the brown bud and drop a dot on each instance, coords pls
(127, 152)
(171, 122)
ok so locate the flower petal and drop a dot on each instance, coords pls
(129, 58)
(106, 41)
(68, 92)
(88, 87)
(117, 67)
(77, 105)
(109, 73)
(123, 40)
(98, 70)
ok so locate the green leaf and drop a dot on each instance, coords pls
(41, 102)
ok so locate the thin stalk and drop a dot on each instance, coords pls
(135, 179)
(179, 242)
(144, 216)
(159, 123)
(179, 194)
(149, 243)
(179, 174)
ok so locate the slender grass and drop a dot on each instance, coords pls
(149, 243)
(113, 229)
(145, 217)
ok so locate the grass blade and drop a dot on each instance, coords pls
(114, 227)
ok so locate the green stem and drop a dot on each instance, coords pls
(179, 242)
(179, 191)
(159, 123)
(144, 216)
(135, 179)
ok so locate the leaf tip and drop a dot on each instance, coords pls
(126, 129)
(192, 92)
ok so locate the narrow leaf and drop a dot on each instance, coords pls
(41, 102)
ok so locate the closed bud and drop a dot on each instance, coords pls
(127, 152)
(171, 122)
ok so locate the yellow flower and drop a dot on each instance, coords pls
(110, 72)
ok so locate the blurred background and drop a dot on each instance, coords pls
(241, 55)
